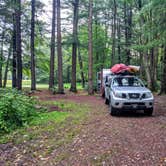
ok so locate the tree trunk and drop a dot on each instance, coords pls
(119, 41)
(96, 60)
(1, 54)
(7, 66)
(14, 59)
(59, 50)
(52, 57)
(74, 47)
(147, 69)
(163, 78)
(153, 69)
(114, 34)
(128, 30)
(140, 42)
(33, 64)
(81, 67)
(90, 50)
(18, 44)
(129, 33)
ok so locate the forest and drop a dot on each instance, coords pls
(50, 110)
(69, 41)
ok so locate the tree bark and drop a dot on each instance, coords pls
(33, 64)
(74, 46)
(153, 68)
(163, 77)
(147, 69)
(59, 50)
(52, 56)
(119, 41)
(81, 67)
(14, 59)
(128, 30)
(114, 34)
(7, 66)
(18, 44)
(97, 59)
(90, 50)
(1, 54)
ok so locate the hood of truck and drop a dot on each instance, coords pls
(130, 89)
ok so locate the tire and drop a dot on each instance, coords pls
(113, 111)
(107, 101)
(103, 95)
(148, 111)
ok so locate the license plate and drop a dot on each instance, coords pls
(134, 105)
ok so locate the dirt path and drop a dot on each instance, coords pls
(127, 140)
(130, 139)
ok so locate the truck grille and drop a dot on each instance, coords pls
(134, 95)
(134, 103)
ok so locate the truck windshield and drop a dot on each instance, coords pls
(127, 81)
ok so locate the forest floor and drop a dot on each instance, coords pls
(131, 139)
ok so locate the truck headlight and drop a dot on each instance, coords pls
(120, 95)
(148, 95)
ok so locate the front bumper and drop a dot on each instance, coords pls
(132, 104)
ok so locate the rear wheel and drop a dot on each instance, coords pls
(148, 111)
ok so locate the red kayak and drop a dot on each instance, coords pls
(120, 68)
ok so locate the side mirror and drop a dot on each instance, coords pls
(146, 85)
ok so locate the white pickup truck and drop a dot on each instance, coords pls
(127, 93)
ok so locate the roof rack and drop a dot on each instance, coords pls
(124, 73)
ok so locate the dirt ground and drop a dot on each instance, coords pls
(131, 139)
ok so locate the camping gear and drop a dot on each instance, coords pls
(119, 68)
(134, 69)
(124, 69)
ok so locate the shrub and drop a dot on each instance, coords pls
(16, 109)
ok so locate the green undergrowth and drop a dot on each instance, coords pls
(53, 128)
(16, 109)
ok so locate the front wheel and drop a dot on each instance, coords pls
(113, 111)
(107, 101)
(148, 111)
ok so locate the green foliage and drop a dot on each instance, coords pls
(16, 109)
(51, 123)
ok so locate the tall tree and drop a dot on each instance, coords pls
(52, 56)
(1, 53)
(128, 27)
(114, 33)
(81, 67)
(74, 46)
(119, 40)
(7, 66)
(163, 77)
(14, 58)
(33, 64)
(18, 44)
(90, 49)
(59, 50)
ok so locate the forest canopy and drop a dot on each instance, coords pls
(69, 41)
